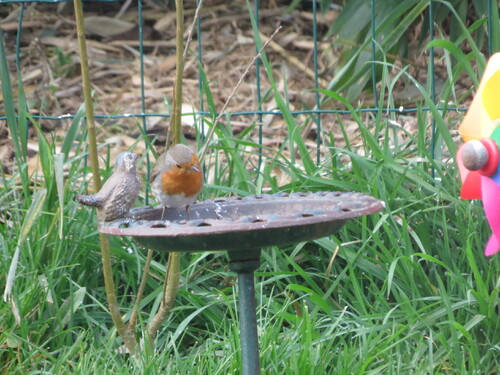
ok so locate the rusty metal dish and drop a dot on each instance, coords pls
(239, 223)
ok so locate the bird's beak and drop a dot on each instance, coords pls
(195, 168)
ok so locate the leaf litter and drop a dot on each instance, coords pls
(49, 66)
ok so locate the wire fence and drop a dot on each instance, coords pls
(316, 109)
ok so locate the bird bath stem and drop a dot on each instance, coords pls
(245, 263)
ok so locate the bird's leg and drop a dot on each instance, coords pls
(187, 211)
(163, 211)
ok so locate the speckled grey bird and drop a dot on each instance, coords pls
(120, 191)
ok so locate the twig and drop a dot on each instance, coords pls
(172, 278)
(140, 292)
(191, 29)
(123, 9)
(127, 337)
(89, 107)
(220, 20)
(169, 292)
(295, 61)
(247, 70)
(175, 125)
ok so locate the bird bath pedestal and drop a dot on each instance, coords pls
(242, 227)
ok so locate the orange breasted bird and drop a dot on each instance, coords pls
(176, 178)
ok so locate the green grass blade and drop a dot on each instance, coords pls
(71, 305)
(466, 33)
(45, 155)
(59, 176)
(22, 121)
(294, 133)
(458, 54)
(495, 28)
(72, 132)
(29, 220)
(9, 100)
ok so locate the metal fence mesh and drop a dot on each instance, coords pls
(146, 60)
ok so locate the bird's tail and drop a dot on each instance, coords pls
(89, 200)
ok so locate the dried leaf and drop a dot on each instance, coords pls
(168, 64)
(107, 26)
(166, 22)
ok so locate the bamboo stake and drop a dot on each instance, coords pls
(172, 277)
(125, 334)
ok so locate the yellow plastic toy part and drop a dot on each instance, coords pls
(484, 113)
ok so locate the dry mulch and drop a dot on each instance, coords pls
(51, 75)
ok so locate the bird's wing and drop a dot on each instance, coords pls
(157, 167)
(109, 186)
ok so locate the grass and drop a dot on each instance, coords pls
(405, 291)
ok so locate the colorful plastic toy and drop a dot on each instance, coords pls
(478, 157)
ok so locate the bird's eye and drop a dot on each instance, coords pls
(178, 166)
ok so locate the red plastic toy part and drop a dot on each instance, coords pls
(491, 165)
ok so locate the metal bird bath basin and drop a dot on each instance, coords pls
(243, 226)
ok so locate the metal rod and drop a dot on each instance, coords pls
(248, 113)
(244, 263)
(250, 364)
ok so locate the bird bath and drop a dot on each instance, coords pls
(243, 226)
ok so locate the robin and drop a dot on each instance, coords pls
(176, 178)
(119, 192)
